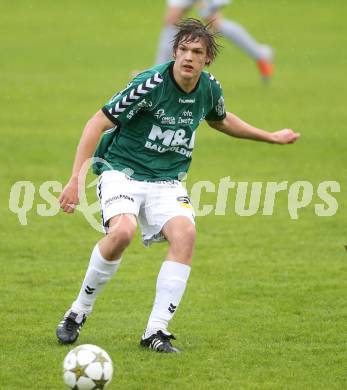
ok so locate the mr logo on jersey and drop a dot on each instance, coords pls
(170, 140)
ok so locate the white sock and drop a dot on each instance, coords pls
(164, 52)
(236, 33)
(171, 283)
(99, 272)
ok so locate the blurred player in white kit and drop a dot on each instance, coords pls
(210, 11)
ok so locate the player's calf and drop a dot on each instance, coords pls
(180, 232)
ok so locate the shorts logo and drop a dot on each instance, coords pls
(118, 198)
(184, 202)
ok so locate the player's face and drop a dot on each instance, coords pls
(191, 58)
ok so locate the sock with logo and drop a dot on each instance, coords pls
(99, 272)
(164, 53)
(171, 283)
(236, 33)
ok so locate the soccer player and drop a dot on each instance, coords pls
(210, 10)
(154, 122)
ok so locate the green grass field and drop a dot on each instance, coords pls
(265, 306)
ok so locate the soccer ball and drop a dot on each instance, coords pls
(87, 367)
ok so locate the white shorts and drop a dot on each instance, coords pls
(153, 203)
(205, 7)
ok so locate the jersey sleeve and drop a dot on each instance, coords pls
(137, 96)
(217, 112)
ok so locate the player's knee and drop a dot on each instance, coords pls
(116, 243)
(189, 234)
(171, 20)
(124, 236)
(121, 236)
(173, 16)
(214, 22)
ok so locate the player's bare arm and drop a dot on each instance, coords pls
(85, 149)
(236, 127)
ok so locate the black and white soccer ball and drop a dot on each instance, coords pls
(87, 367)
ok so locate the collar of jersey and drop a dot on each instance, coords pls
(176, 84)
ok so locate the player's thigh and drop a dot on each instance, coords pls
(180, 232)
(176, 10)
(167, 200)
(174, 15)
(123, 225)
(163, 202)
(119, 197)
(208, 8)
(214, 20)
(180, 3)
(215, 3)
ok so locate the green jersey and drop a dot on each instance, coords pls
(155, 124)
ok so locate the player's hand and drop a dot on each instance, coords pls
(68, 199)
(285, 136)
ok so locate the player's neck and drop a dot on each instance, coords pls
(187, 85)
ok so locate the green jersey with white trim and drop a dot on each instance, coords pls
(155, 124)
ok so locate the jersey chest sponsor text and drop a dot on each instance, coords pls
(185, 117)
(170, 140)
